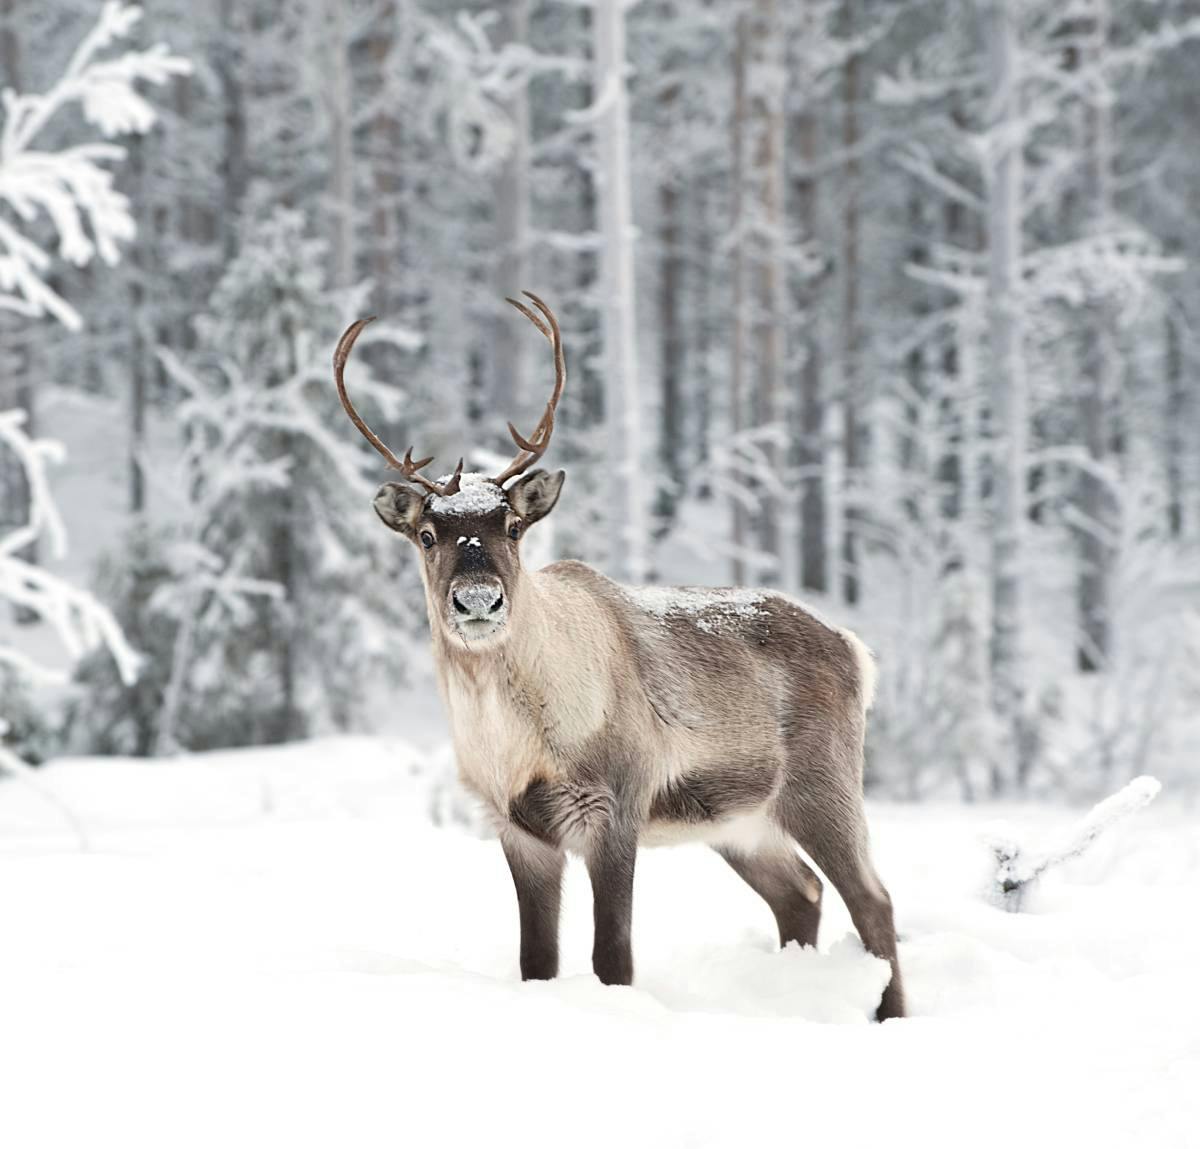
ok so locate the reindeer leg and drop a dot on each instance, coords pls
(537, 870)
(787, 885)
(610, 862)
(830, 824)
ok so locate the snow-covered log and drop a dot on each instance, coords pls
(1018, 867)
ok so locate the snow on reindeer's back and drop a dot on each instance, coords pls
(714, 610)
(476, 495)
(727, 610)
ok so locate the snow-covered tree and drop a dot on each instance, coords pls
(902, 294)
(61, 194)
(270, 578)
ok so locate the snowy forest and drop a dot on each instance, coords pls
(891, 304)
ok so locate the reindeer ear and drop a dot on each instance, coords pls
(399, 506)
(533, 496)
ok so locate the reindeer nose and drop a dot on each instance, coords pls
(477, 600)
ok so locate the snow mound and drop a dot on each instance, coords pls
(841, 986)
(476, 495)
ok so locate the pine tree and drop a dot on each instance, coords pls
(271, 579)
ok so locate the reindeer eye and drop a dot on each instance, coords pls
(426, 540)
(514, 532)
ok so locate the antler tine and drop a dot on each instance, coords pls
(405, 466)
(420, 464)
(451, 488)
(529, 315)
(532, 449)
(533, 444)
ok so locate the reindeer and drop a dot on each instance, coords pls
(593, 717)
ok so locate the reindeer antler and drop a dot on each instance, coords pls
(529, 450)
(405, 466)
(534, 447)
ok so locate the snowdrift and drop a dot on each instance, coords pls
(279, 948)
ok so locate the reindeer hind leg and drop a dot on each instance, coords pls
(788, 885)
(822, 808)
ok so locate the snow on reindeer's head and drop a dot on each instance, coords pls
(469, 527)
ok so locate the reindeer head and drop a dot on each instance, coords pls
(469, 527)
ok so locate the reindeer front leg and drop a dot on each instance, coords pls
(610, 863)
(537, 870)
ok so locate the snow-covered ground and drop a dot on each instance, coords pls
(279, 949)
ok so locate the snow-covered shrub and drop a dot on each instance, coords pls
(929, 733)
(1139, 715)
(106, 714)
(28, 732)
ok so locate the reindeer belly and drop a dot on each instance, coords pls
(727, 805)
(744, 833)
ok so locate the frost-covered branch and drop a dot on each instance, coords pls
(1119, 265)
(79, 621)
(33, 455)
(916, 160)
(73, 187)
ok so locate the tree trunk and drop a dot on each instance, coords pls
(627, 531)
(340, 97)
(671, 447)
(700, 297)
(509, 342)
(138, 365)
(738, 365)
(1176, 439)
(196, 226)
(141, 328)
(670, 355)
(776, 525)
(391, 48)
(1008, 399)
(850, 320)
(234, 158)
(286, 560)
(1100, 369)
(810, 454)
